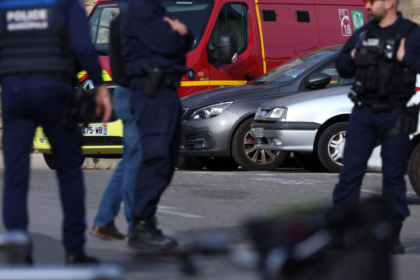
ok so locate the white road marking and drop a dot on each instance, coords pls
(179, 214)
(378, 193)
(287, 181)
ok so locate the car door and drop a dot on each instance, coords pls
(234, 18)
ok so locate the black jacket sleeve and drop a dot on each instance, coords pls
(344, 63)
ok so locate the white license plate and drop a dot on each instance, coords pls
(258, 132)
(95, 130)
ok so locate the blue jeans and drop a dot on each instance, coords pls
(122, 183)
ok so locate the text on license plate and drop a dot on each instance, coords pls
(258, 132)
(95, 130)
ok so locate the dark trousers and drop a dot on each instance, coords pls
(363, 132)
(28, 102)
(159, 126)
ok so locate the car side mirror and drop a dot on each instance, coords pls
(228, 52)
(318, 81)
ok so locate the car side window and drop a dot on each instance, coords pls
(233, 19)
(336, 80)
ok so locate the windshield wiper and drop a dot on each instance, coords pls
(257, 82)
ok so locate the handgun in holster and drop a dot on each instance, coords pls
(153, 81)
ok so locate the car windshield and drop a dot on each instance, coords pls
(194, 15)
(292, 69)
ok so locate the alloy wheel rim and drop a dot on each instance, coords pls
(258, 156)
(336, 147)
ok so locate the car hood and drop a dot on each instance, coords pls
(291, 100)
(224, 94)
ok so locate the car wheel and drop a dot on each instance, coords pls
(218, 163)
(188, 163)
(246, 154)
(331, 146)
(413, 169)
(49, 160)
(310, 162)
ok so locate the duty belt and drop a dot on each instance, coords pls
(377, 108)
(167, 82)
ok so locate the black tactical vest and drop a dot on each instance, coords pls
(33, 38)
(378, 71)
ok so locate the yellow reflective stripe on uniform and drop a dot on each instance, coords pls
(212, 83)
(81, 74)
(105, 76)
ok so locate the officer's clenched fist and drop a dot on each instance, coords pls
(177, 26)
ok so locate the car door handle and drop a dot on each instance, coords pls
(250, 77)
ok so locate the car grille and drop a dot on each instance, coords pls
(102, 141)
(195, 142)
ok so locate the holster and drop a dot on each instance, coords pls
(153, 80)
(405, 124)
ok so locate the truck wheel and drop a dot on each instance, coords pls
(331, 146)
(188, 163)
(413, 169)
(221, 164)
(246, 154)
(49, 160)
(310, 162)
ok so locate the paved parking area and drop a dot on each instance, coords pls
(198, 203)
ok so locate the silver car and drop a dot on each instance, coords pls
(313, 126)
(216, 124)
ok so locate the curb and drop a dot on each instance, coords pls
(37, 162)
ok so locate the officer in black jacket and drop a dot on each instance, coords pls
(39, 42)
(154, 48)
(384, 56)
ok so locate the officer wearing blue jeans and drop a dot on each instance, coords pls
(39, 41)
(384, 56)
(150, 37)
(123, 181)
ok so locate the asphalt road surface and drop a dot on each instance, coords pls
(200, 203)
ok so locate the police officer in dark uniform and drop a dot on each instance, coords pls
(384, 56)
(154, 49)
(39, 41)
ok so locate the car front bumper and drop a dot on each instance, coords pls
(289, 136)
(207, 137)
(94, 146)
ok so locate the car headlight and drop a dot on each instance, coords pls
(274, 114)
(210, 111)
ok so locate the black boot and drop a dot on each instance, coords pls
(396, 247)
(80, 258)
(145, 236)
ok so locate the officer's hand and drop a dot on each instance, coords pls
(353, 53)
(177, 26)
(401, 50)
(103, 103)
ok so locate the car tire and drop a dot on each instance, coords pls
(250, 158)
(218, 164)
(188, 163)
(49, 160)
(413, 169)
(331, 146)
(310, 162)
